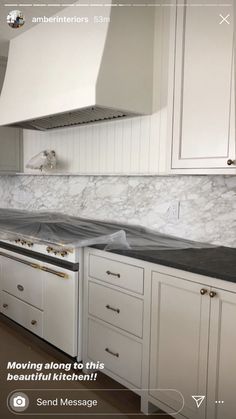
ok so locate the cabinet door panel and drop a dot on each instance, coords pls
(179, 342)
(203, 124)
(222, 359)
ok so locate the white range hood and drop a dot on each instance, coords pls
(62, 74)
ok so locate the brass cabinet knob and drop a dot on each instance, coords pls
(212, 294)
(63, 254)
(203, 291)
(5, 305)
(230, 162)
(33, 322)
(20, 287)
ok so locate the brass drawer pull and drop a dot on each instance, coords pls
(230, 162)
(33, 322)
(117, 310)
(57, 273)
(212, 294)
(20, 287)
(203, 291)
(112, 353)
(5, 305)
(113, 274)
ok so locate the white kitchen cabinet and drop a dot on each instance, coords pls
(179, 343)
(192, 345)
(113, 315)
(203, 89)
(10, 138)
(222, 359)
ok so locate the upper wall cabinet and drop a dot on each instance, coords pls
(202, 89)
(10, 138)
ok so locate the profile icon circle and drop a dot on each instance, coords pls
(18, 401)
(15, 19)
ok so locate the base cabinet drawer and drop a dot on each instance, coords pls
(114, 307)
(24, 314)
(123, 275)
(120, 354)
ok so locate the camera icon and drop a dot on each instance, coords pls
(19, 401)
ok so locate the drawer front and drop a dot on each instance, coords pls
(120, 354)
(24, 314)
(119, 309)
(22, 281)
(122, 275)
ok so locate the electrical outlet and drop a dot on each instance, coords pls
(173, 211)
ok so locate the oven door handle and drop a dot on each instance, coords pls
(25, 262)
(35, 265)
(57, 273)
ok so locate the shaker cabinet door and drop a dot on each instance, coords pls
(222, 359)
(203, 135)
(179, 343)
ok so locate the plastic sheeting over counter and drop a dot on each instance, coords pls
(63, 231)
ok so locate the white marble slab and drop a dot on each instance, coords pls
(207, 204)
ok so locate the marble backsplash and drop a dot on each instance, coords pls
(207, 204)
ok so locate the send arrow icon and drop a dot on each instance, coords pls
(198, 400)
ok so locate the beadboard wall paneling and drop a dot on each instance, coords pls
(127, 146)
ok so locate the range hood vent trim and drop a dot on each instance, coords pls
(73, 118)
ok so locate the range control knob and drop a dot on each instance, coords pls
(64, 253)
(49, 249)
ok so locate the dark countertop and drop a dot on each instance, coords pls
(218, 262)
(200, 258)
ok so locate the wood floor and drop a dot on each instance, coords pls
(17, 344)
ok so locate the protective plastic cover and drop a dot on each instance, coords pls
(63, 231)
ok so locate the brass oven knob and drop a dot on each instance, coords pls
(203, 291)
(212, 294)
(230, 162)
(63, 254)
(49, 249)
